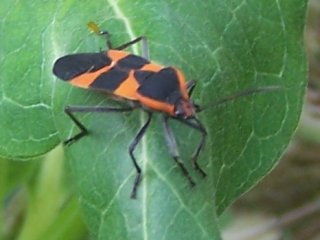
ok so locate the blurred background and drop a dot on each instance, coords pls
(286, 204)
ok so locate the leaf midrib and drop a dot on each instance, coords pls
(144, 153)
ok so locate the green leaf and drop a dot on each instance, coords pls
(227, 46)
(26, 83)
(262, 45)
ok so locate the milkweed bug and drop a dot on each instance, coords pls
(142, 84)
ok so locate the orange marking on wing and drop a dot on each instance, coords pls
(156, 105)
(85, 79)
(128, 88)
(117, 55)
(151, 67)
(182, 84)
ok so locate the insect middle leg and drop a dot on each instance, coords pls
(69, 110)
(132, 147)
(172, 145)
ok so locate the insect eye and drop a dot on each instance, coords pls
(179, 113)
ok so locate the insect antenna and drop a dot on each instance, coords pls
(244, 93)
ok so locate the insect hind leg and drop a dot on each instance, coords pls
(144, 42)
(144, 46)
(94, 27)
(132, 147)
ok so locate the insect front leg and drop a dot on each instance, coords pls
(132, 147)
(197, 125)
(69, 110)
(190, 86)
(172, 145)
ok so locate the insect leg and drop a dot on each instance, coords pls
(144, 46)
(190, 86)
(197, 125)
(132, 147)
(69, 110)
(94, 27)
(145, 50)
(108, 41)
(174, 150)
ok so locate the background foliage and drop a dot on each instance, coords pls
(290, 193)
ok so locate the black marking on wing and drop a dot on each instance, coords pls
(110, 80)
(132, 62)
(141, 76)
(71, 66)
(162, 86)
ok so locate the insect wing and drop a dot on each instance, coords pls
(72, 66)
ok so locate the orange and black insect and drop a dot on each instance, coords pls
(142, 84)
